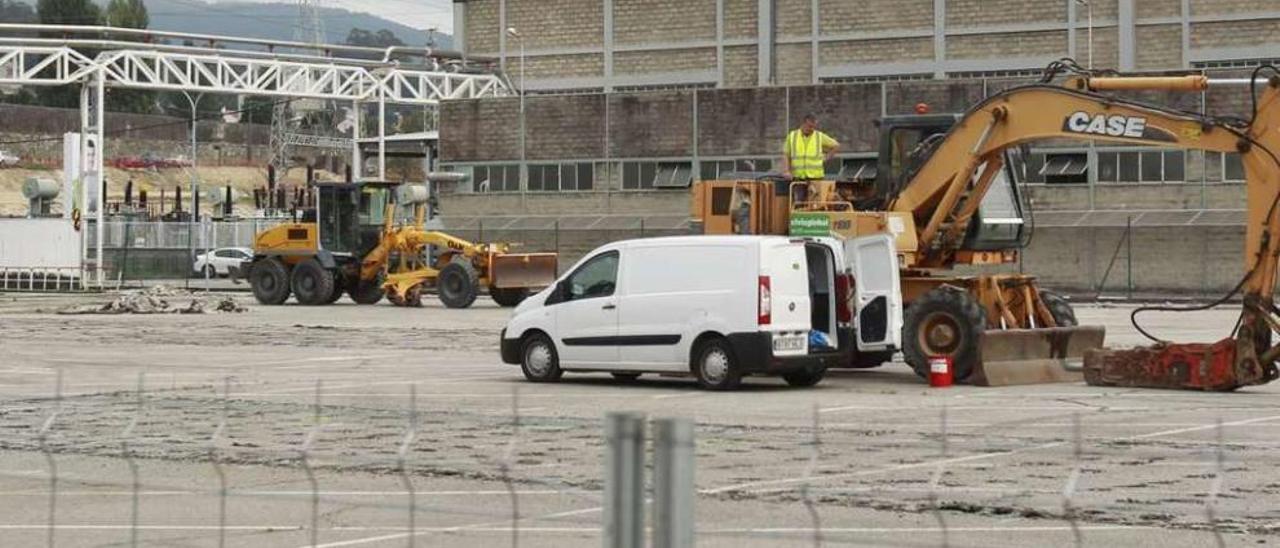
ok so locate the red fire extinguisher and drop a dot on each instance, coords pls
(940, 371)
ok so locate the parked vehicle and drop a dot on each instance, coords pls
(9, 159)
(219, 262)
(717, 308)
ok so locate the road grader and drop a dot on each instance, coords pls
(367, 239)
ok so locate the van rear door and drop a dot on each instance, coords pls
(877, 292)
(784, 292)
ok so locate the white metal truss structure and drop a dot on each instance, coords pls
(316, 141)
(40, 62)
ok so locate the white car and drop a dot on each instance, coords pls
(714, 307)
(219, 262)
(8, 159)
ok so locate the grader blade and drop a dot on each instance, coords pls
(1035, 356)
(523, 270)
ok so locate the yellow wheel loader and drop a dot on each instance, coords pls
(352, 243)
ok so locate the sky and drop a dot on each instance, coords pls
(422, 14)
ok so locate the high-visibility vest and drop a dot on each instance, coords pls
(806, 154)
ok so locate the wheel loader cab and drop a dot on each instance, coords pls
(906, 142)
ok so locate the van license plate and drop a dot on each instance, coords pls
(785, 343)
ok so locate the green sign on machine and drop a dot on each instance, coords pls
(810, 224)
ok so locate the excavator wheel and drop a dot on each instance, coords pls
(363, 292)
(946, 321)
(312, 284)
(458, 284)
(269, 279)
(508, 297)
(1063, 314)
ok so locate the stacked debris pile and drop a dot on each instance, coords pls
(159, 300)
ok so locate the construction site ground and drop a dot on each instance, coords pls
(1145, 465)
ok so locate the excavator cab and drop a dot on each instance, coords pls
(906, 141)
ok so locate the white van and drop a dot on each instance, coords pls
(714, 307)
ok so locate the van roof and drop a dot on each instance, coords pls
(685, 240)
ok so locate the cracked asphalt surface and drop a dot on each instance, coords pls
(1143, 471)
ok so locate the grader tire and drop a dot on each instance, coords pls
(366, 292)
(269, 279)
(312, 284)
(458, 284)
(1059, 308)
(508, 297)
(946, 321)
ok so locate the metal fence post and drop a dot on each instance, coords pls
(1128, 239)
(673, 493)
(556, 236)
(624, 481)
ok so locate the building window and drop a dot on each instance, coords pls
(1145, 166)
(854, 169)
(651, 175)
(713, 170)
(1065, 168)
(561, 177)
(495, 178)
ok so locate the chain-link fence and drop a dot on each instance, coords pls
(228, 463)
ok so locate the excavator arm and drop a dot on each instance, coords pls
(943, 194)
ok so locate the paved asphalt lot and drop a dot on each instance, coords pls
(1146, 463)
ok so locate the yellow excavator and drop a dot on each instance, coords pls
(352, 242)
(934, 192)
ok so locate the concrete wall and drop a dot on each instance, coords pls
(861, 38)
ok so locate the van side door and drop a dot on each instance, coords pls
(877, 292)
(586, 314)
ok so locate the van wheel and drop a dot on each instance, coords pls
(868, 360)
(714, 366)
(539, 361)
(803, 377)
(626, 377)
(269, 279)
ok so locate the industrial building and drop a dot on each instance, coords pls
(628, 101)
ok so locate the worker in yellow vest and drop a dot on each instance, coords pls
(804, 153)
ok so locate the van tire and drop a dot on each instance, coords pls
(946, 321)
(803, 377)
(458, 284)
(269, 279)
(715, 366)
(1059, 308)
(538, 359)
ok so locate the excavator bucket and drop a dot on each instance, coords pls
(1035, 356)
(528, 270)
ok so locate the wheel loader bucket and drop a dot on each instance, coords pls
(529, 270)
(1035, 356)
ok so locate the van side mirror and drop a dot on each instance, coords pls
(558, 293)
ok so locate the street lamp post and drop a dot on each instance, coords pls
(195, 215)
(1089, 4)
(511, 31)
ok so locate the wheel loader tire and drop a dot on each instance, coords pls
(946, 321)
(509, 296)
(458, 284)
(312, 284)
(335, 294)
(366, 292)
(1059, 308)
(269, 279)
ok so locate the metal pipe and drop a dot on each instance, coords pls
(429, 53)
(1192, 82)
(190, 50)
